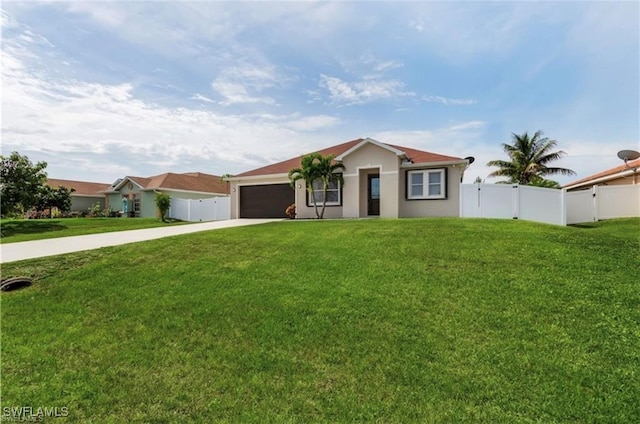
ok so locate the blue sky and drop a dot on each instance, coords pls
(100, 90)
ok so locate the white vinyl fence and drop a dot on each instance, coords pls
(213, 209)
(548, 205)
(603, 202)
(512, 202)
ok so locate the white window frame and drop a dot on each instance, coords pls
(338, 189)
(136, 202)
(425, 184)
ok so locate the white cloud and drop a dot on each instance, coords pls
(312, 123)
(469, 30)
(198, 96)
(234, 92)
(184, 29)
(360, 92)
(387, 66)
(234, 83)
(448, 101)
(368, 65)
(98, 131)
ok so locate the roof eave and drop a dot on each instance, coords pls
(257, 177)
(184, 191)
(409, 165)
(602, 179)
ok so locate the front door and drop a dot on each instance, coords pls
(373, 195)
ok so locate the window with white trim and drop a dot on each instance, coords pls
(427, 184)
(334, 194)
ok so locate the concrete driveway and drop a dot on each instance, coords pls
(12, 252)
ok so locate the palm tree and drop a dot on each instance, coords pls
(308, 172)
(327, 171)
(529, 157)
(316, 169)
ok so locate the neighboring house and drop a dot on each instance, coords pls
(625, 174)
(86, 194)
(379, 180)
(135, 196)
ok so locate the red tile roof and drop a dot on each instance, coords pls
(606, 173)
(82, 188)
(416, 156)
(189, 181)
(420, 156)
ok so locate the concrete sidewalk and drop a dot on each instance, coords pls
(12, 252)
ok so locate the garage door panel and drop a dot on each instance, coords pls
(265, 201)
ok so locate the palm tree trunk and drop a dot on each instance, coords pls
(325, 186)
(313, 198)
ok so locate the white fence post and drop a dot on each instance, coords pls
(515, 201)
(563, 207)
(596, 199)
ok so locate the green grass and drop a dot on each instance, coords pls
(416, 320)
(14, 230)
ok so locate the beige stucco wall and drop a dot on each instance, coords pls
(433, 207)
(370, 159)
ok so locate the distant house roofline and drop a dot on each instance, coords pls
(82, 188)
(607, 175)
(195, 182)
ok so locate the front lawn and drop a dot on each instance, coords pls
(411, 320)
(14, 230)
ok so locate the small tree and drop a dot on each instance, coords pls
(61, 198)
(163, 202)
(20, 183)
(49, 198)
(317, 170)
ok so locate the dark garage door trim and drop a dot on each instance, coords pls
(265, 201)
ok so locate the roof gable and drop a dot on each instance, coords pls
(141, 182)
(368, 141)
(344, 149)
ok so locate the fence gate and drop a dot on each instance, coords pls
(508, 201)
